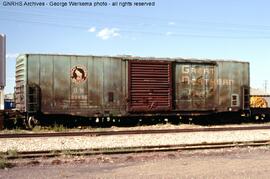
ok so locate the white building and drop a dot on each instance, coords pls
(2, 69)
(1, 98)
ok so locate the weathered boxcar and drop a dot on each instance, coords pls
(100, 86)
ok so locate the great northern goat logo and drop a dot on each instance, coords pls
(78, 74)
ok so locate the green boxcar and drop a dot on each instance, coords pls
(99, 86)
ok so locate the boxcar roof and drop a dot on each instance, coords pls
(129, 57)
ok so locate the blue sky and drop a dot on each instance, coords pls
(228, 29)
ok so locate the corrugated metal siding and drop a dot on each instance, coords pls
(78, 89)
(20, 78)
(61, 83)
(103, 90)
(150, 86)
(46, 82)
(232, 78)
(95, 81)
(195, 87)
(114, 86)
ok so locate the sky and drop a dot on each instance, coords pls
(208, 29)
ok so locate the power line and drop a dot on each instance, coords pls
(182, 23)
(84, 27)
(53, 20)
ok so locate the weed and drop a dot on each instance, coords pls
(67, 152)
(58, 128)
(37, 129)
(54, 152)
(13, 153)
(4, 163)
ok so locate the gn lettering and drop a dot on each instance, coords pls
(201, 76)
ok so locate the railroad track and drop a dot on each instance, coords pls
(129, 132)
(139, 149)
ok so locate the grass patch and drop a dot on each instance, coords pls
(54, 152)
(58, 128)
(13, 153)
(72, 153)
(38, 129)
(16, 130)
(4, 163)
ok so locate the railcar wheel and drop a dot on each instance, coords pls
(31, 122)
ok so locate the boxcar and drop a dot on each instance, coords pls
(100, 86)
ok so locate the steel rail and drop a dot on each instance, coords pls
(138, 149)
(129, 132)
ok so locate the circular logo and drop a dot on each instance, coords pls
(78, 74)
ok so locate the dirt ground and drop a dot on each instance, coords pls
(222, 163)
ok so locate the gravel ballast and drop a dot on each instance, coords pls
(90, 142)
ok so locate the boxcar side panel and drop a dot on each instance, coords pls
(183, 100)
(95, 90)
(78, 85)
(33, 69)
(224, 85)
(241, 76)
(233, 77)
(21, 77)
(246, 86)
(61, 84)
(211, 93)
(112, 94)
(46, 83)
(124, 92)
(195, 89)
